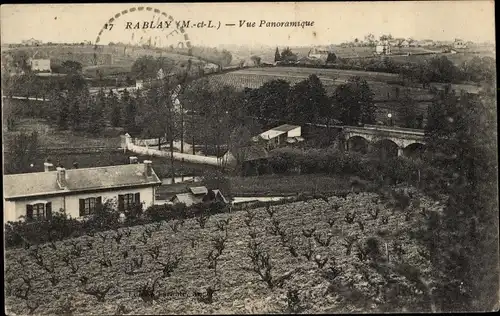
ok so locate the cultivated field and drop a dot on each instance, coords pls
(331, 78)
(313, 256)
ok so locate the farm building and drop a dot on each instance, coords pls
(317, 53)
(39, 65)
(197, 195)
(31, 42)
(251, 159)
(458, 43)
(77, 191)
(280, 135)
(427, 43)
(404, 43)
(383, 48)
(139, 84)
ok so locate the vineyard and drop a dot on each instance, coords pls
(335, 254)
(330, 78)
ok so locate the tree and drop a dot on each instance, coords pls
(145, 67)
(370, 39)
(97, 122)
(354, 102)
(461, 134)
(240, 137)
(307, 101)
(288, 56)
(20, 60)
(114, 109)
(277, 56)
(407, 110)
(63, 109)
(71, 67)
(442, 69)
(11, 111)
(256, 60)
(226, 57)
(22, 151)
(130, 112)
(270, 99)
(331, 57)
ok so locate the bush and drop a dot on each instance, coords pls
(166, 212)
(333, 161)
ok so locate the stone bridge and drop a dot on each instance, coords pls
(406, 140)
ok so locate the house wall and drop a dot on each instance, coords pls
(294, 132)
(73, 206)
(40, 64)
(229, 160)
(14, 209)
(379, 49)
(71, 203)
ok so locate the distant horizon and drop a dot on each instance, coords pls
(334, 23)
(246, 45)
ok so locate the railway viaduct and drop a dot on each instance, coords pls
(404, 140)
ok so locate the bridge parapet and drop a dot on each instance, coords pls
(382, 129)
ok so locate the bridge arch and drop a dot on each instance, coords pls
(415, 149)
(358, 144)
(386, 147)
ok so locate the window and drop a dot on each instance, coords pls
(39, 211)
(126, 201)
(88, 206)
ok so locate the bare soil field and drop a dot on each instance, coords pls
(314, 251)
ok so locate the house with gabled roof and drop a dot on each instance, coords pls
(280, 135)
(458, 43)
(78, 192)
(199, 194)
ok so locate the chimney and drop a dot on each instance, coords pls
(47, 166)
(132, 160)
(148, 170)
(61, 177)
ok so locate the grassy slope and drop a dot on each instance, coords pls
(241, 291)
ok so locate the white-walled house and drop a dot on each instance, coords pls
(383, 48)
(39, 65)
(77, 191)
(280, 135)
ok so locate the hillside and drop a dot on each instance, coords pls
(111, 60)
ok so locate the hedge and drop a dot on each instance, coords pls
(333, 161)
(61, 226)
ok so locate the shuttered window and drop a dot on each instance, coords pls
(29, 211)
(39, 211)
(89, 206)
(126, 201)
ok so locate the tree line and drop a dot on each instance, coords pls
(308, 102)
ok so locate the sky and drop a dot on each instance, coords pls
(334, 22)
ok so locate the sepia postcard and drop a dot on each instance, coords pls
(250, 158)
